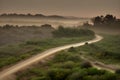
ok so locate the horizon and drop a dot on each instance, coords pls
(57, 15)
(76, 8)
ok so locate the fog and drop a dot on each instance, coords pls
(37, 22)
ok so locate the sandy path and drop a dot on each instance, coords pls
(11, 70)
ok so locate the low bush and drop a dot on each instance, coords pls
(86, 64)
(72, 32)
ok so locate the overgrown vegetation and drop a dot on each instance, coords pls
(10, 54)
(11, 34)
(107, 50)
(66, 65)
(72, 32)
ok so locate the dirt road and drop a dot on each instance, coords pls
(26, 63)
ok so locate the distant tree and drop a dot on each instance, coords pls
(21, 15)
(47, 26)
(40, 15)
(7, 26)
(109, 19)
(106, 20)
(4, 14)
(72, 32)
(97, 20)
(86, 24)
(29, 14)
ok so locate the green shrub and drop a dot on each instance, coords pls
(117, 71)
(94, 71)
(41, 78)
(77, 75)
(86, 64)
(65, 65)
(72, 49)
(58, 74)
(108, 76)
(72, 32)
(67, 56)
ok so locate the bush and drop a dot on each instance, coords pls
(65, 65)
(117, 71)
(66, 56)
(72, 49)
(41, 78)
(94, 71)
(77, 75)
(58, 74)
(86, 64)
(72, 32)
(108, 76)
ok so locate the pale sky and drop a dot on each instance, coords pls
(78, 8)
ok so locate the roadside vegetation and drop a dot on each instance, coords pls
(107, 50)
(66, 65)
(13, 53)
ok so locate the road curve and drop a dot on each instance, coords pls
(11, 70)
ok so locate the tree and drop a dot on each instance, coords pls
(105, 20)
(97, 20)
(109, 19)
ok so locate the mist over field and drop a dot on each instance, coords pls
(59, 40)
(40, 21)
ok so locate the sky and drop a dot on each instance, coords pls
(78, 8)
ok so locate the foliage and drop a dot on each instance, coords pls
(72, 32)
(108, 20)
(62, 67)
(13, 53)
(86, 64)
(58, 74)
(118, 71)
(71, 49)
(107, 50)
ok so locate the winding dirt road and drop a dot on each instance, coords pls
(26, 63)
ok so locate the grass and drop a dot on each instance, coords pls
(66, 65)
(107, 50)
(11, 54)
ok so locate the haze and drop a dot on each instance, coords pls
(78, 8)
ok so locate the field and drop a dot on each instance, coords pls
(12, 53)
(66, 65)
(10, 34)
(107, 50)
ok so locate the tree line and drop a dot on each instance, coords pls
(72, 32)
(106, 20)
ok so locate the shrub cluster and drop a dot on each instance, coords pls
(72, 32)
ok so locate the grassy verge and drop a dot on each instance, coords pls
(13, 53)
(66, 65)
(107, 50)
